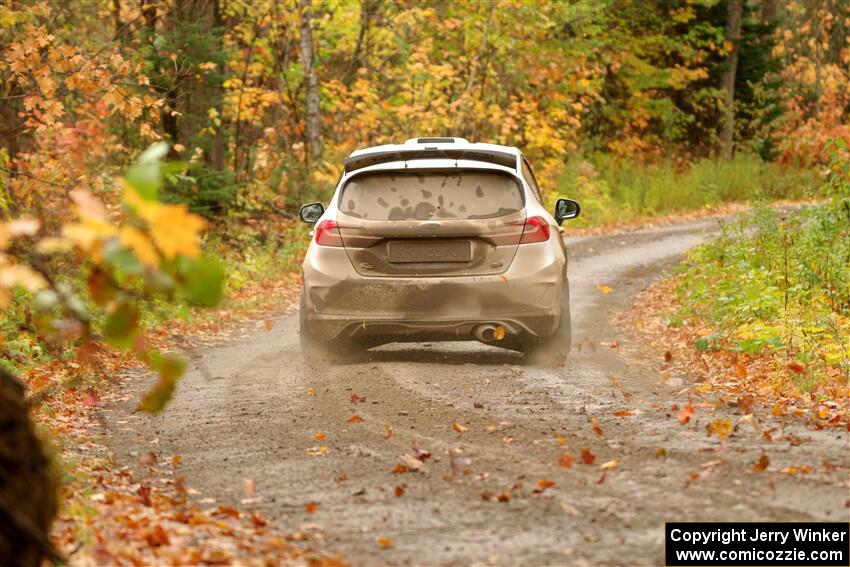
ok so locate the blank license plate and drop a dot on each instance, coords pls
(430, 251)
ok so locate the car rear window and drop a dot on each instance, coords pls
(462, 194)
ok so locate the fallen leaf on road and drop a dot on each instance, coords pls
(175, 461)
(721, 427)
(388, 431)
(412, 463)
(746, 404)
(355, 399)
(762, 464)
(566, 460)
(319, 436)
(148, 459)
(560, 439)
(385, 542)
(797, 367)
(400, 489)
(268, 324)
(317, 451)
(623, 413)
(596, 428)
(310, 507)
(249, 486)
(227, 511)
(399, 469)
(587, 457)
(504, 497)
(604, 288)
(610, 465)
(157, 537)
(661, 453)
(354, 419)
(458, 427)
(685, 414)
(311, 391)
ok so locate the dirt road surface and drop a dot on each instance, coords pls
(250, 410)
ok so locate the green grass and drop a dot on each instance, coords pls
(776, 281)
(614, 189)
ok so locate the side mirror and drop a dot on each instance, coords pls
(566, 209)
(311, 213)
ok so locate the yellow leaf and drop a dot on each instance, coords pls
(138, 242)
(318, 451)
(604, 288)
(175, 231)
(610, 465)
(458, 427)
(499, 333)
(721, 427)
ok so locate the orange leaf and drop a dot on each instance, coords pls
(319, 436)
(385, 542)
(587, 457)
(354, 419)
(797, 367)
(566, 460)
(458, 427)
(622, 413)
(310, 507)
(685, 414)
(746, 404)
(762, 464)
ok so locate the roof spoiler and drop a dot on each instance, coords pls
(373, 158)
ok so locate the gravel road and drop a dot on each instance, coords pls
(250, 410)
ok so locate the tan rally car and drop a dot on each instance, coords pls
(436, 239)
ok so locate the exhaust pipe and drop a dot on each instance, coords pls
(485, 333)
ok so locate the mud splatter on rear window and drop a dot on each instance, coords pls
(471, 194)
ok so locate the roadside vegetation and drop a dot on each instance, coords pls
(765, 307)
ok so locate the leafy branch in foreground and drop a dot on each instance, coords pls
(131, 259)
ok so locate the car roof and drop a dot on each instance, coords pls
(434, 148)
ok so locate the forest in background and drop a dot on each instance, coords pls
(262, 100)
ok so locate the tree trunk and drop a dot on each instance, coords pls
(308, 63)
(116, 16)
(769, 11)
(28, 499)
(727, 81)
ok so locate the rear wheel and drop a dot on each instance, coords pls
(313, 348)
(318, 350)
(554, 349)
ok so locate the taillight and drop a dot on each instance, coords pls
(536, 229)
(327, 233)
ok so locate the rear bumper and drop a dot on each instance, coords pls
(339, 302)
